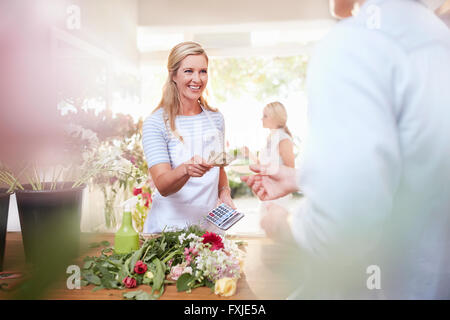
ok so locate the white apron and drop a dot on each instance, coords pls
(199, 195)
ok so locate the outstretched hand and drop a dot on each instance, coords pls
(270, 183)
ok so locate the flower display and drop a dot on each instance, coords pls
(143, 198)
(189, 258)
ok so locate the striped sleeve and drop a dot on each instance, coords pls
(221, 123)
(154, 140)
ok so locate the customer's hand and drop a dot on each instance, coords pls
(197, 167)
(270, 184)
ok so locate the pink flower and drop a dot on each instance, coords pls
(140, 267)
(112, 180)
(129, 282)
(137, 191)
(178, 270)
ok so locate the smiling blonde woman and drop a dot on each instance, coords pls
(177, 136)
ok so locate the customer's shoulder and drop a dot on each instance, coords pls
(390, 24)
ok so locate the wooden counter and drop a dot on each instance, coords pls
(270, 271)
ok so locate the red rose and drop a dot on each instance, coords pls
(214, 240)
(140, 267)
(129, 282)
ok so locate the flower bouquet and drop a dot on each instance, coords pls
(143, 199)
(189, 259)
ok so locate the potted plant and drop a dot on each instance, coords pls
(49, 198)
(4, 207)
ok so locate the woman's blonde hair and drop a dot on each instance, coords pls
(170, 101)
(277, 112)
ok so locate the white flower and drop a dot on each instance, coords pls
(181, 238)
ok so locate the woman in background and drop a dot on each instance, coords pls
(279, 149)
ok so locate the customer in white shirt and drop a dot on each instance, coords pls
(444, 14)
(376, 170)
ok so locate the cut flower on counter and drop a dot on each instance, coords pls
(189, 258)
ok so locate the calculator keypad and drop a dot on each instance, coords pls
(222, 215)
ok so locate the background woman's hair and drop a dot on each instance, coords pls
(170, 101)
(277, 112)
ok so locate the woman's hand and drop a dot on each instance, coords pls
(270, 184)
(225, 197)
(196, 167)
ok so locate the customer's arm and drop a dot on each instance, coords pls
(352, 162)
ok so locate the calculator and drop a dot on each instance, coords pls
(224, 216)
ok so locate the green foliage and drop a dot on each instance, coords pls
(184, 282)
(138, 295)
(108, 270)
(261, 77)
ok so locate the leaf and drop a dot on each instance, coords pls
(150, 257)
(88, 264)
(126, 267)
(159, 275)
(105, 243)
(92, 278)
(97, 288)
(209, 283)
(107, 250)
(183, 282)
(94, 245)
(159, 294)
(147, 280)
(137, 295)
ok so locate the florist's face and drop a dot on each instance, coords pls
(267, 121)
(192, 76)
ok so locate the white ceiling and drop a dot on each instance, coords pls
(232, 27)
